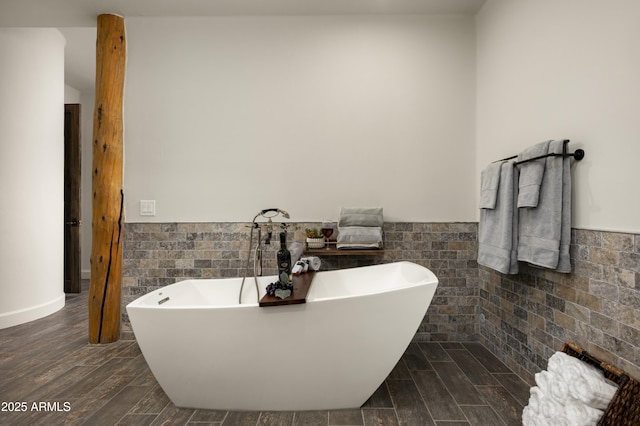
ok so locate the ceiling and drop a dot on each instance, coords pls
(77, 18)
(82, 13)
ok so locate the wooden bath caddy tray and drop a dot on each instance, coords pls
(335, 251)
(301, 284)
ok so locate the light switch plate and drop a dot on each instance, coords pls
(147, 207)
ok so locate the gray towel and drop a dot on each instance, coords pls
(545, 230)
(564, 261)
(531, 174)
(356, 237)
(489, 182)
(498, 228)
(361, 217)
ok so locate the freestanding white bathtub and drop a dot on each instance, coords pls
(207, 351)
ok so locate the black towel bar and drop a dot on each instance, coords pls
(577, 155)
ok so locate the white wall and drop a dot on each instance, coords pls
(31, 174)
(566, 69)
(226, 116)
(71, 95)
(87, 104)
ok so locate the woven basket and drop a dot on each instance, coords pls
(624, 408)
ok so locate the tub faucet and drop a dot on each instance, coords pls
(257, 258)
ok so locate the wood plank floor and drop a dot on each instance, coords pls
(52, 375)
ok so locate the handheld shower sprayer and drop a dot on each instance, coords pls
(283, 213)
(264, 212)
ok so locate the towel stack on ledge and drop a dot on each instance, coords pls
(360, 228)
(570, 393)
(525, 211)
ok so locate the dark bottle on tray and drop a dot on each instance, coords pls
(284, 256)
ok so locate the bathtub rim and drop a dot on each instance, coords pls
(141, 301)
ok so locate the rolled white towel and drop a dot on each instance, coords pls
(550, 408)
(532, 418)
(560, 420)
(552, 385)
(557, 361)
(572, 367)
(580, 414)
(526, 416)
(585, 382)
(594, 392)
(560, 361)
(313, 261)
(535, 395)
(553, 412)
(558, 388)
(543, 380)
(529, 417)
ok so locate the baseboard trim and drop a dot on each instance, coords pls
(32, 313)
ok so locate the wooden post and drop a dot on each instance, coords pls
(108, 196)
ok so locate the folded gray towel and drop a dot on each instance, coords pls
(545, 230)
(531, 174)
(489, 181)
(498, 227)
(355, 237)
(361, 217)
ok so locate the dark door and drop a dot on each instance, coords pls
(72, 198)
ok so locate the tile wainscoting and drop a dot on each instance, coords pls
(521, 318)
(525, 318)
(158, 254)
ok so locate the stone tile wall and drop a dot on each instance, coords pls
(521, 318)
(158, 254)
(525, 318)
